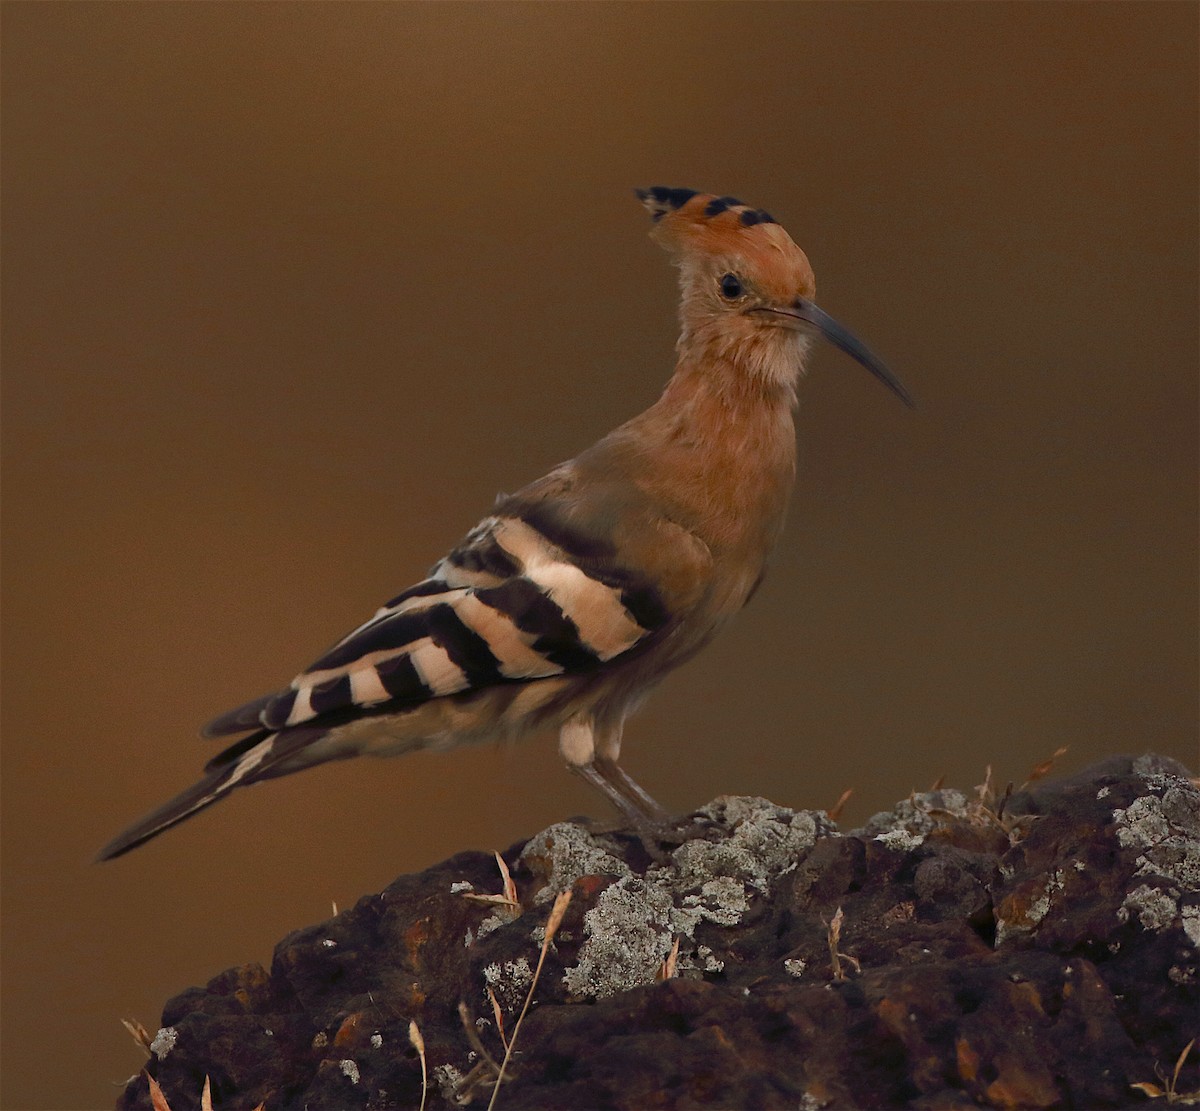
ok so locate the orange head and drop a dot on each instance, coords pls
(747, 288)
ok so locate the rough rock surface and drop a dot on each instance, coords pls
(1043, 953)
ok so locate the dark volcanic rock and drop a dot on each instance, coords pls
(1038, 954)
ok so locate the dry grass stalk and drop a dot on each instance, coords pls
(139, 1034)
(158, 1099)
(1170, 1087)
(987, 809)
(1043, 769)
(836, 956)
(552, 925)
(499, 1015)
(418, 1043)
(507, 898)
(486, 1068)
(667, 970)
(836, 811)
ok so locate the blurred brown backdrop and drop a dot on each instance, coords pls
(292, 291)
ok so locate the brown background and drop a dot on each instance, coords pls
(292, 291)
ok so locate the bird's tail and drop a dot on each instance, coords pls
(250, 759)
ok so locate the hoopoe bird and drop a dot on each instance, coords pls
(577, 594)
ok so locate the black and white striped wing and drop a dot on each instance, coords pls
(508, 605)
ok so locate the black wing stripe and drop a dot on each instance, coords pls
(276, 714)
(595, 555)
(387, 633)
(584, 550)
(400, 679)
(556, 637)
(484, 556)
(466, 648)
(422, 589)
(645, 605)
(331, 695)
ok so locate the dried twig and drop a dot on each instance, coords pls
(507, 898)
(667, 969)
(552, 924)
(418, 1043)
(139, 1034)
(157, 1100)
(836, 811)
(836, 956)
(472, 1032)
(1170, 1088)
(499, 1014)
(1043, 769)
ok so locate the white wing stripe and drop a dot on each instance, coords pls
(506, 642)
(603, 622)
(366, 687)
(409, 605)
(437, 670)
(302, 707)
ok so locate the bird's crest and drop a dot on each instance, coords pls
(660, 201)
(692, 224)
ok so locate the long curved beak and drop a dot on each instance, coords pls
(805, 312)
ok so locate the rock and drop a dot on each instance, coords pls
(954, 952)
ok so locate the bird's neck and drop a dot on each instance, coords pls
(723, 449)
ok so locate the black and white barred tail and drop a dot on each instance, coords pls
(262, 755)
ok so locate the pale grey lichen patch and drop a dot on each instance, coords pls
(376, 1041)
(349, 1070)
(636, 920)
(1155, 908)
(164, 1041)
(722, 900)
(1040, 907)
(795, 967)
(1159, 771)
(908, 823)
(628, 936)
(1166, 827)
(459, 886)
(565, 852)
(509, 981)
(1191, 923)
(449, 1080)
(902, 840)
(765, 841)
(1032, 914)
(1142, 823)
(488, 925)
(1182, 974)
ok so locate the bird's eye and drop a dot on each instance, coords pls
(731, 288)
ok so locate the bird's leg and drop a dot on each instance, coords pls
(577, 744)
(629, 789)
(633, 814)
